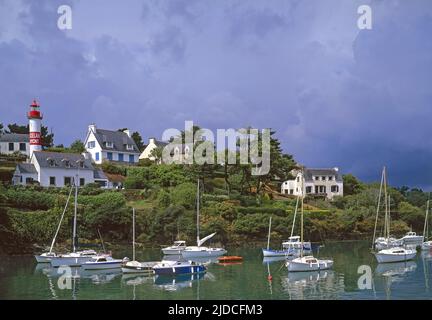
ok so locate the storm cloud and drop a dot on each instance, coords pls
(336, 95)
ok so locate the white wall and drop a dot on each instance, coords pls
(296, 186)
(4, 148)
(60, 174)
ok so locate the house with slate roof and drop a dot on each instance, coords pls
(114, 146)
(178, 152)
(317, 181)
(56, 169)
(14, 142)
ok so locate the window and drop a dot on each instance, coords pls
(298, 179)
(323, 178)
(82, 182)
(121, 157)
(11, 146)
(81, 164)
(67, 181)
(51, 162)
(334, 189)
(131, 158)
(309, 189)
(67, 163)
(28, 180)
(109, 156)
(109, 144)
(52, 181)
(91, 144)
(331, 178)
(97, 156)
(317, 178)
(291, 191)
(129, 147)
(23, 146)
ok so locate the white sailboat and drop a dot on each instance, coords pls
(290, 247)
(427, 244)
(392, 253)
(136, 266)
(309, 262)
(75, 258)
(199, 251)
(386, 241)
(47, 256)
(175, 249)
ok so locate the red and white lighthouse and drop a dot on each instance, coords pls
(35, 117)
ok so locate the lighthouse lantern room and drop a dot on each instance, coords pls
(35, 117)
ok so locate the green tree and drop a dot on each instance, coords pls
(138, 140)
(351, 184)
(184, 195)
(77, 146)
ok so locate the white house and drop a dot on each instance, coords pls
(326, 182)
(56, 169)
(107, 145)
(178, 153)
(13, 142)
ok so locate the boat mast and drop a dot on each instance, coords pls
(378, 207)
(198, 207)
(426, 225)
(61, 219)
(133, 234)
(268, 237)
(295, 215)
(302, 211)
(386, 227)
(75, 214)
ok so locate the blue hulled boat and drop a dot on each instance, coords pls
(178, 267)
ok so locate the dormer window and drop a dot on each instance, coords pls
(129, 147)
(91, 144)
(51, 162)
(80, 164)
(66, 163)
(109, 144)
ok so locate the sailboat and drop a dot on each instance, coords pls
(136, 266)
(47, 256)
(393, 253)
(75, 258)
(309, 262)
(198, 250)
(386, 241)
(290, 247)
(427, 244)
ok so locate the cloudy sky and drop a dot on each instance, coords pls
(336, 95)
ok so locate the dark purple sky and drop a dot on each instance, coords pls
(336, 95)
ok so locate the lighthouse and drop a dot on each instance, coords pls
(35, 117)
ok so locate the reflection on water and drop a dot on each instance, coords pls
(255, 278)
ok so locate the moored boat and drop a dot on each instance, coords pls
(178, 267)
(308, 263)
(102, 262)
(396, 254)
(175, 249)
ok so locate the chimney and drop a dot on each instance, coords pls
(336, 169)
(127, 131)
(92, 127)
(152, 140)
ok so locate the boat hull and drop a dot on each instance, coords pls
(179, 270)
(394, 257)
(69, 261)
(43, 258)
(102, 265)
(204, 253)
(172, 251)
(276, 253)
(300, 265)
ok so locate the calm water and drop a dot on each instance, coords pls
(22, 278)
